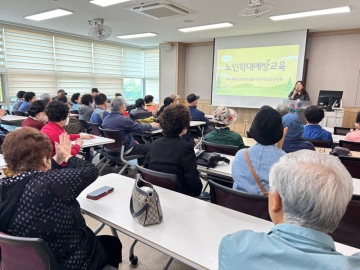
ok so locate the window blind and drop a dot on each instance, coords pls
(108, 69)
(30, 62)
(133, 62)
(2, 52)
(152, 73)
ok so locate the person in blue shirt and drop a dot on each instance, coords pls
(117, 121)
(314, 115)
(309, 194)
(29, 98)
(20, 99)
(267, 130)
(196, 114)
(100, 112)
(293, 140)
(75, 102)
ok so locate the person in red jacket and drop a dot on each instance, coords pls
(37, 117)
(58, 114)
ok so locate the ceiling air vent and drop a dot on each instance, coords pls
(161, 10)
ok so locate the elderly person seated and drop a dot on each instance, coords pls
(117, 121)
(313, 130)
(140, 114)
(167, 102)
(39, 200)
(86, 109)
(58, 115)
(46, 98)
(354, 134)
(309, 193)
(283, 109)
(37, 117)
(29, 98)
(170, 154)
(223, 118)
(19, 100)
(100, 112)
(293, 140)
(267, 130)
(75, 102)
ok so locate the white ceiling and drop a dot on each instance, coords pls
(123, 21)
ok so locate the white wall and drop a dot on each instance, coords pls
(168, 72)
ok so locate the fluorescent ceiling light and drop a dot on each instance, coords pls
(49, 15)
(311, 13)
(105, 3)
(205, 27)
(137, 35)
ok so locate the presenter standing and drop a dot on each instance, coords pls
(299, 92)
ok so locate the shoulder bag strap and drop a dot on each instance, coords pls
(254, 174)
(142, 210)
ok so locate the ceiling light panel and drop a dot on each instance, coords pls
(142, 35)
(205, 27)
(345, 9)
(105, 3)
(49, 15)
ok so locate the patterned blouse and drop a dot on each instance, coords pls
(48, 209)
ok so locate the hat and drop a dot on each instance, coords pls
(225, 116)
(192, 97)
(61, 91)
(94, 90)
(174, 97)
(295, 127)
(267, 128)
(168, 101)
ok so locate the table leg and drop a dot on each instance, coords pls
(168, 263)
(88, 154)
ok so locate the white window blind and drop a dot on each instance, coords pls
(30, 62)
(133, 62)
(108, 69)
(2, 52)
(152, 73)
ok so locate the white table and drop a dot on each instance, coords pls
(222, 169)
(13, 118)
(209, 116)
(191, 230)
(88, 143)
(197, 123)
(74, 115)
(2, 162)
(356, 183)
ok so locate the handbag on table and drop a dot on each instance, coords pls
(210, 159)
(340, 151)
(145, 203)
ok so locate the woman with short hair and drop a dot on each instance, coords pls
(29, 98)
(170, 154)
(86, 109)
(37, 117)
(58, 115)
(75, 101)
(39, 200)
(20, 99)
(167, 102)
(354, 134)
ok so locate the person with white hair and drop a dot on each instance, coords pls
(117, 121)
(283, 109)
(309, 194)
(46, 98)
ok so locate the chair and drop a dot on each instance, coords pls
(25, 253)
(254, 205)
(341, 131)
(84, 128)
(221, 148)
(321, 143)
(18, 113)
(348, 230)
(352, 164)
(248, 135)
(95, 129)
(352, 146)
(115, 151)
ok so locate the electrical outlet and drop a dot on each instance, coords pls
(246, 122)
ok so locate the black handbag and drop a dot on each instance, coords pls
(210, 159)
(340, 151)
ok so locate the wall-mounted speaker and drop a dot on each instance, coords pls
(165, 47)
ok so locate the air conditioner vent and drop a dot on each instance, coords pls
(161, 10)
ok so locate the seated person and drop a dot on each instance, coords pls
(354, 134)
(117, 121)
(37, 117)
(59, 92)
(86, 109)
(39, 201)
(63, 98)
(46, 98)
(75, 102)
(175, 98)
(150, 106)
(167, 102)
(29, 97)
(267, 130)
(196, 114)
(223, 118)
(293, 140)
(58, 115)
(314, 115)
(100, 112)
(283, 109)
(170, 154)
(18, 101)
(309, 194)
(140, 114)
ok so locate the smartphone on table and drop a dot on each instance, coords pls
(99, 193)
